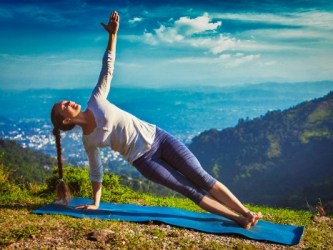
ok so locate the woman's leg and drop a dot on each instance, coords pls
(161, 173)
(210, 204)
(222, 194)
(177, 155)
(181, 158)
(171, 164)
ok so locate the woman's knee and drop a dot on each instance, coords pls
(217, 187)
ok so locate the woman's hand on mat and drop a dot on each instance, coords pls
(87, 207)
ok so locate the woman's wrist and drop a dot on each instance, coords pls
(112, 42)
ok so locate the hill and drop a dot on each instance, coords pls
(283, 158)
(25, 165)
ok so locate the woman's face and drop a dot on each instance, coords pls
(68, 109)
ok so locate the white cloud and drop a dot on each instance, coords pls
(224, 56)
(135, 20)
(314, 27)
(269, 63)
(188, 26)
(197, 32)
(243, 59)
(148, 38)
(201, 33)
(312, 19)
(223, 43)
(317, 19)
(168, 35)
(224, 60)
(290, 34)
(262, 45)
(236, 60)
(215, 44)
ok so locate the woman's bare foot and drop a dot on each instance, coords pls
(248, 220)
(244, 222)
(253, 217)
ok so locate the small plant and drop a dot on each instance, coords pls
(320, 208)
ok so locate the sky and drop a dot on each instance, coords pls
(60, 44)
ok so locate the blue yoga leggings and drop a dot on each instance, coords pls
(172, 164)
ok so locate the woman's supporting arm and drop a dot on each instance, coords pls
(97, 193)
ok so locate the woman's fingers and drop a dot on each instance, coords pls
(104, 25)
(87, 207)
(115, 17)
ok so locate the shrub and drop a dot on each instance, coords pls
(80, 185)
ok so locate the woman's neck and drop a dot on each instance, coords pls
(87, 122)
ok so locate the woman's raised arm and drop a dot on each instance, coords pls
(104, 81)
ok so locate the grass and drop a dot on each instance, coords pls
(21, 229)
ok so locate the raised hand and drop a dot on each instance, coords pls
(113, 25)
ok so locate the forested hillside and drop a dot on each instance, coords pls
(283, 158)
(25, 165)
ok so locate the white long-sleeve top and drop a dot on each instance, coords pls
(121, 131)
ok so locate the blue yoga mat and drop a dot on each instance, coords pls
(204, 222)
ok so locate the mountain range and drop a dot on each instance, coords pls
(283, 158)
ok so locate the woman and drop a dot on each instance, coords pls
(156, 154)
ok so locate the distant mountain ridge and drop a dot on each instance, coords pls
(284, 158)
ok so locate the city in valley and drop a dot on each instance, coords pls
(37, 134)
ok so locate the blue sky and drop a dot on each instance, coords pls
(59, 44)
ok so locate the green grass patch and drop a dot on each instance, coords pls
(20, 228)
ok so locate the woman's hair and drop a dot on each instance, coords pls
(62, 189)
(57, 120)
